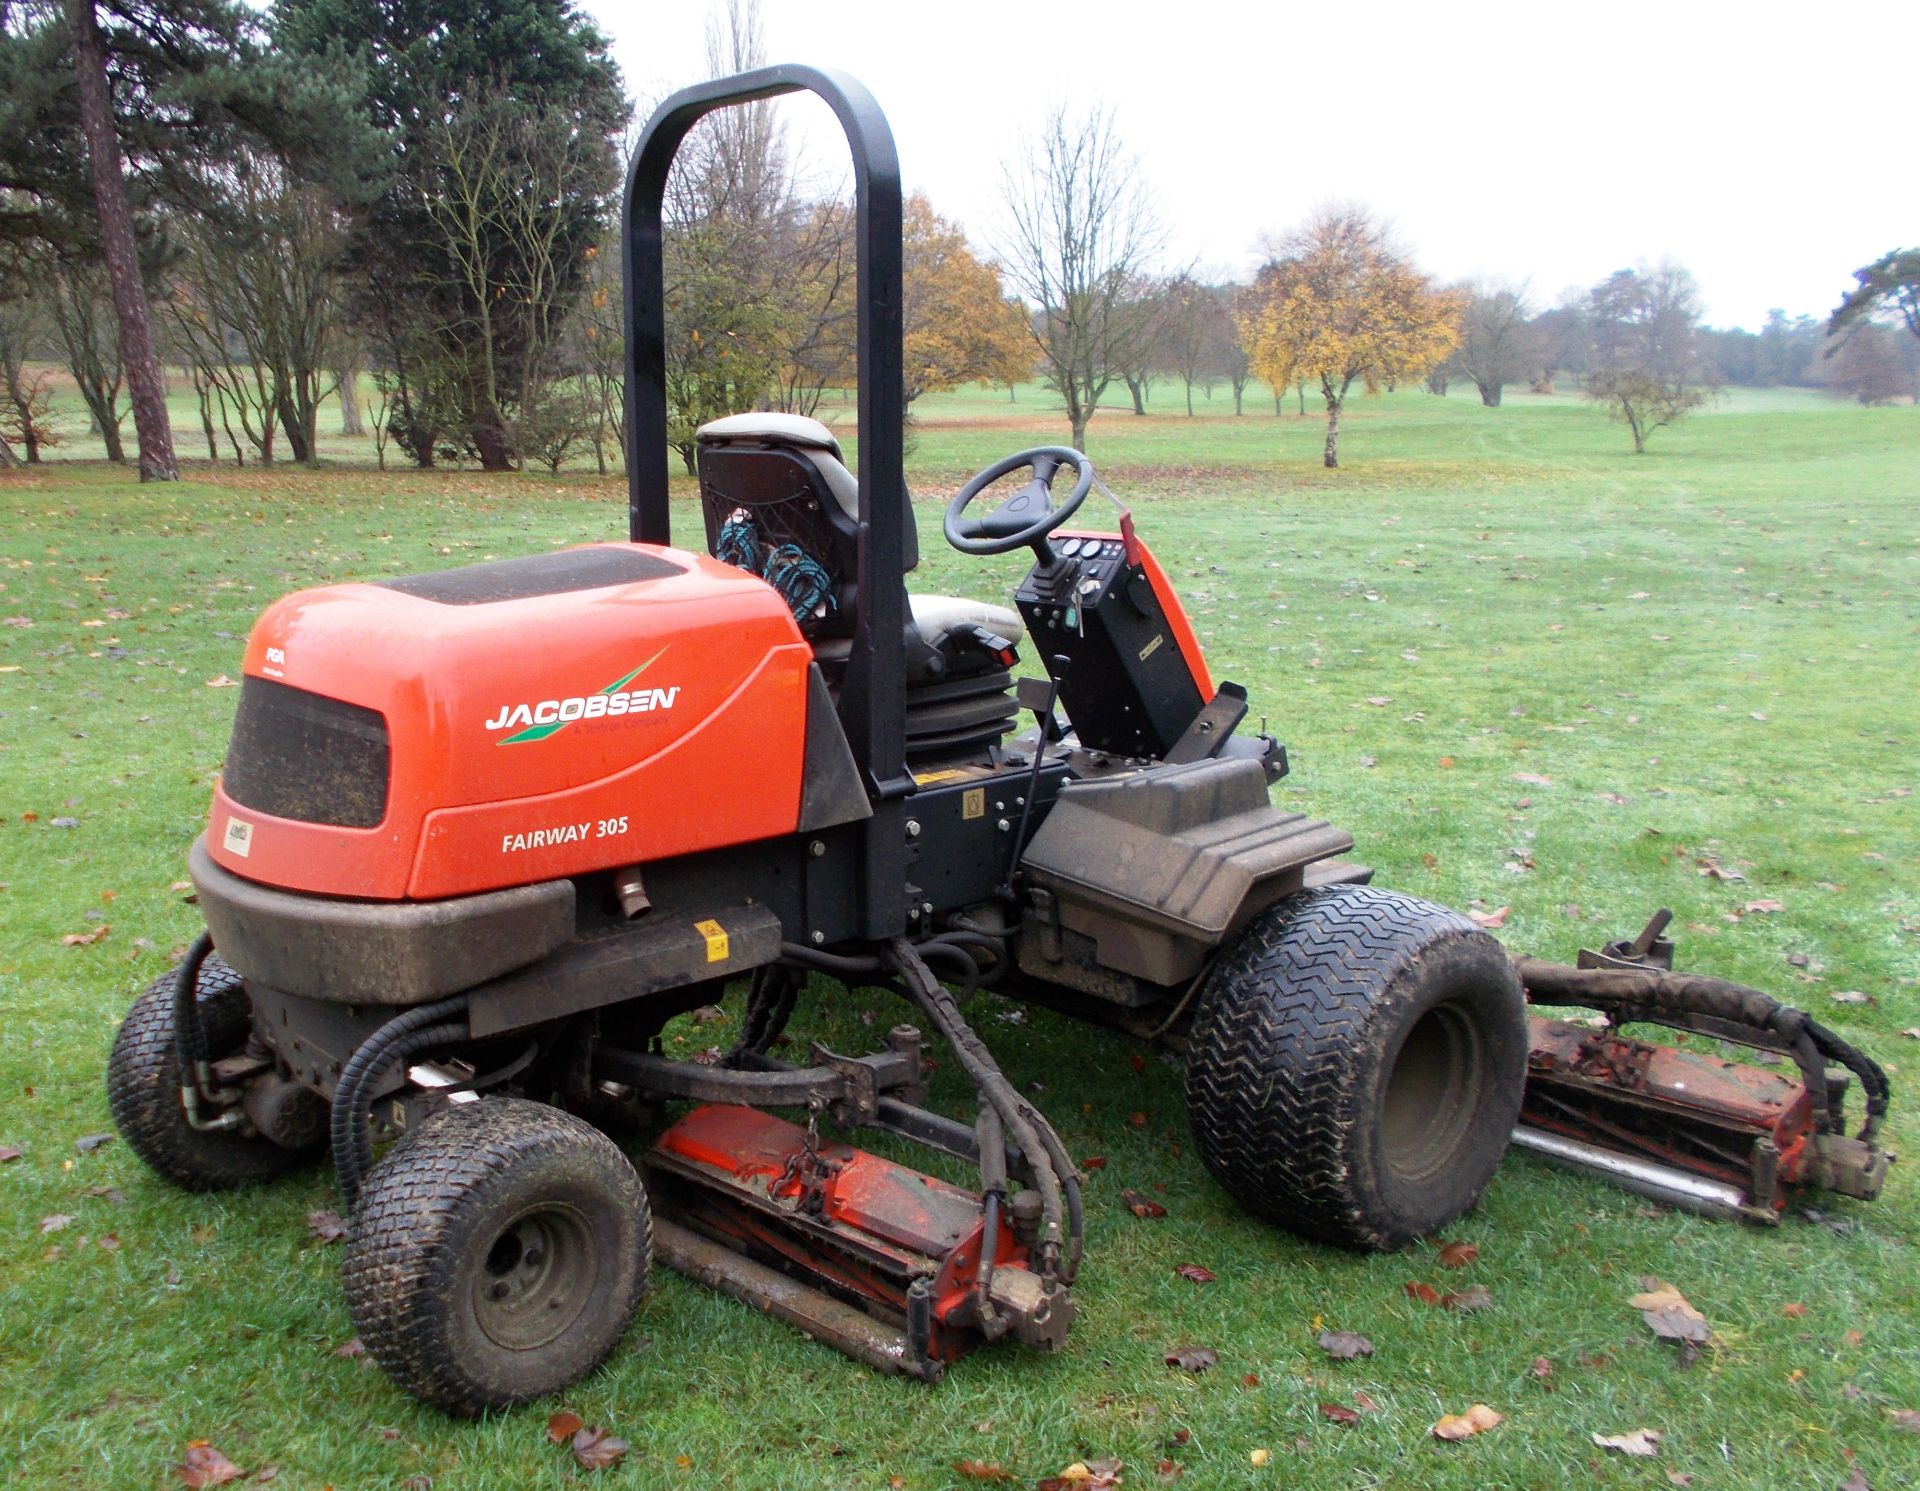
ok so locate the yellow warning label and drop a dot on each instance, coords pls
(1152, 647)
(973, 803)
(928, 778)
(716, 936)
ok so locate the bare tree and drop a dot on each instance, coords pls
(1644, 348)
(258, 305)
(1082, 233)
(759, 269)
(24, 328)
(83, 319)
(1497, 345)
(1197, 332)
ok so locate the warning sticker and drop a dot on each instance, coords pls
(973, 803)
(239, 837)
(716, 936)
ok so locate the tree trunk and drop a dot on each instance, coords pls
(7, 457)
(144, 384)
(489, 433)
(1189, 401)
(1239, 393)
(1279, 403)
(1139, 394)
(1301, 389)
(1079, 422)
(1490, 394)
(1333, 434)
(350, 421)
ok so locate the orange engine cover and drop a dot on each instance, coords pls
(542, 717)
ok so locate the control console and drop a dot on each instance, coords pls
(1134, 677)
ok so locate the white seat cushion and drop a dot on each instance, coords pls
(766, 428)
(936, 615)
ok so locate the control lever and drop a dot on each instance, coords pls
(1057, 671)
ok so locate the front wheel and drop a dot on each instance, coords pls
(497, 1255)
(1356, 1065)
(143, 1089)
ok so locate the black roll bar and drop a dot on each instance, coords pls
(873, 699)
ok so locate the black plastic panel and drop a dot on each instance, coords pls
(307, 757)
(540, 574)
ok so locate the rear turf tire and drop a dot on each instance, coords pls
(497, 1255)
(143, 1089)
(1356, 1065)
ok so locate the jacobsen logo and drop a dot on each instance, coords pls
(550, 716)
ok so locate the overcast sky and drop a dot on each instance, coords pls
(1759, 144)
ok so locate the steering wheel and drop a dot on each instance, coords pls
(1029, 515)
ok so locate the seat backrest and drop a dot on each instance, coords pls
(784, 476)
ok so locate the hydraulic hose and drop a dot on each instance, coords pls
(1054, 1177)
(1628, 994)
(410, 1030)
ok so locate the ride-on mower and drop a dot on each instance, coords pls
(482, 833)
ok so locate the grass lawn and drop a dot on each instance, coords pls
(1525, 667)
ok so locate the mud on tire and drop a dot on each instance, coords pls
(143, 1089)
(497, 1255)
(1356, 1065)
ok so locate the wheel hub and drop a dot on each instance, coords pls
(537, 1276)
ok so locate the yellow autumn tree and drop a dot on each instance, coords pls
(960, 325)
(1339, 304)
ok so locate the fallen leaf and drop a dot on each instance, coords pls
(1458, 1254)
(1141, 1205)
(596, 1449)
(1761, 907)
(1542, 1369)
(55, 1222)
(1425, 1293)
(351, 1347)
(111, 1242)
(221, 681)
(1669, 1316)
(1466, 1301)
(1169, 1471)
(1339, 1414)
(88, 1143)
(326, 1226)
(1192, 1358)
(1094, 1162)
(1137, 1120)
(1855, 1481)
(980, 1470)
(203, 1465)
(1365, 1404)
(1839, 996)
(1476, 1420)
(1679, 1478)
(563, 1426)
(1532, 779)
(1379, 701)
(1912, 1033)
(86, 939)
(1344, 1346)
(1793, 1311)
(1642, 1443)
(1905, 1418)
(1196, 1273)
(1258, 1458)
(1490, 918)
(1252, 1379)
(8, 1154)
